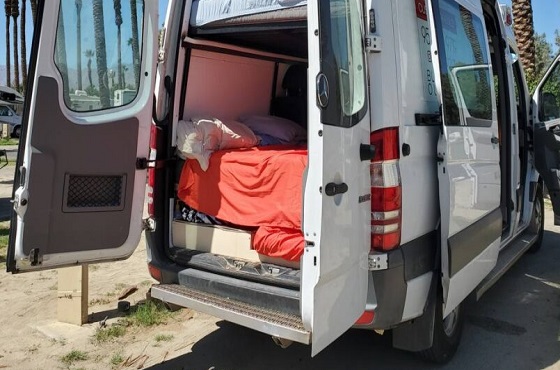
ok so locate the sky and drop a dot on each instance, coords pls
(546, 19)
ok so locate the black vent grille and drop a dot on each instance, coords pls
(95, 191)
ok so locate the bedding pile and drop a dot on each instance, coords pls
(258, 187)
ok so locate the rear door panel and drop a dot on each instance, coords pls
(79, 196)
(336, 226)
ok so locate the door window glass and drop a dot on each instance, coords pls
(4, 111)
(98, 52)
(466, 76)
(549, 98)
(342, 61)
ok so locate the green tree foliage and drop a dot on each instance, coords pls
(543, 58)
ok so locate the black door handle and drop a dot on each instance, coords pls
(332, 189)
(495, 140)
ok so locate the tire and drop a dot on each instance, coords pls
(447, 333)
(17, 132)
(536, 225)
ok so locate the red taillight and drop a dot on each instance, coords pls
(152, 171)
(366, 318)
(386, 200)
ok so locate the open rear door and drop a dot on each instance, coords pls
(79, 187)
(468, 150)
(546, 133)
(337, 189)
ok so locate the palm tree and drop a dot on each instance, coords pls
(8, 10)
(23, 46)
(79, 41)
(124, 70)
(111, 75)
(118, 22)
(89, 54)
(524, 31)
(135, 47)
(34, 10)
(61, 57)
(15, 15)
(101, 53)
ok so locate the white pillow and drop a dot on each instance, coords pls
(199, 138)
(279, 127)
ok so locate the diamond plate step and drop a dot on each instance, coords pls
(267, 321)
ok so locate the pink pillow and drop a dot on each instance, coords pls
(279, 127)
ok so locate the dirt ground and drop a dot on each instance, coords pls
(33, 339)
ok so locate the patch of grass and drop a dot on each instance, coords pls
(99, 301)
(163, 337)
(148, 314)
(4, 236)
(146, 283)
(120, 286)
(74, 356)
(117, 359)
(9, 141)
(110, 333)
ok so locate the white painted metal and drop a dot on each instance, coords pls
(336, 229)
(213, 90)
(141, 108)
(417, 291)
(469, 184)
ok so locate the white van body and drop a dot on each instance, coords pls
(421, 184)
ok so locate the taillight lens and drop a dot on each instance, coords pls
(386, 190)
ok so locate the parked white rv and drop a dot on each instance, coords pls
(405, 172)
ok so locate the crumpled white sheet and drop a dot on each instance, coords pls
(200, 137)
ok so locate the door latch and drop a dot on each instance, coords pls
(332, 189)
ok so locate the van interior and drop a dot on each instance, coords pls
(510, 203)
(238, 211)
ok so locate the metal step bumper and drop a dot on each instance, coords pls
(267, 321)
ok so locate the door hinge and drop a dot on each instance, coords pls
(145, 163)
(149, 224)
(373, 44)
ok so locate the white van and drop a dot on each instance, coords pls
(401, 175)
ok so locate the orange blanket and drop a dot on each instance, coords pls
(259, 187)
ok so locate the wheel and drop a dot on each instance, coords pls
(536, 224)
(16, 132)
(447, 333)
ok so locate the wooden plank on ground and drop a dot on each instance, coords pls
(72, 305)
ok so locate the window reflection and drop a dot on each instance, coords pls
(465, 71)
(98, 52)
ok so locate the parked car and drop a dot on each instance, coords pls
(9, 116)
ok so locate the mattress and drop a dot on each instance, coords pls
(258, 188)
(209, 11)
